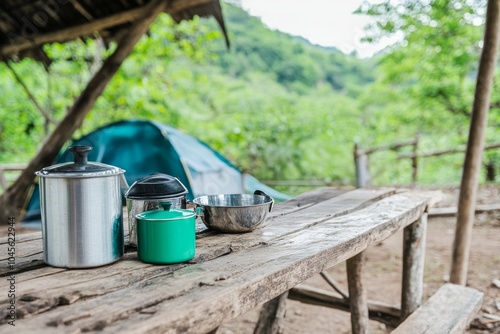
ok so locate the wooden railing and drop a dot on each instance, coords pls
(5, 168)
(362, 165)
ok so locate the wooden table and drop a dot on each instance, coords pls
(230, 275)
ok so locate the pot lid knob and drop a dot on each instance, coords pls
(80, 153)
(166, 205)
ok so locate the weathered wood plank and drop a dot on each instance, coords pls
(338, 206)
(449, 310)
(212, 244)
(357, 294)
(452, 211)
(201, 296)
(305, 200)
(20, 238)
(23, 250)
(413, 266)
(387, 314)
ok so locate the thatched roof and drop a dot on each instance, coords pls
(26, 25)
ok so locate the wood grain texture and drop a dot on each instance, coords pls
(414, 238)
(316, 206)
(452, 211)
(449, 310)
(387, 314)
(131, 296)
(358, 301)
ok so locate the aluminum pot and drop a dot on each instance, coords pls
(148, 193)
(81, 211)
(234, 213)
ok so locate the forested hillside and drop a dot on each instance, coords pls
(275, 105)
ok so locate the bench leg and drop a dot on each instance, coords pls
(358, 304)
(272, 315)
(413, 266)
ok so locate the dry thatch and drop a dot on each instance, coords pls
(26, 25)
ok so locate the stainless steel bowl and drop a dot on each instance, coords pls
(234, 213)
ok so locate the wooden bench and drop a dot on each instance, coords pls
(449, 310)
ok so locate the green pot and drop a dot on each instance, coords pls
(166, 236)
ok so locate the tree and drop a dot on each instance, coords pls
(437, 50)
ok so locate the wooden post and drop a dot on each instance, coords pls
(413, 266)
(13, 198)
(358, 301)
(362, 169)
(3, 180)
(272, 315)
(475, 145)
(414, 162)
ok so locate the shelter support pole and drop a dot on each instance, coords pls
(12, 200)
(475, 145)
(362, 170)
(272, 316)
(413, 266)
(414, 162)
(358, 302)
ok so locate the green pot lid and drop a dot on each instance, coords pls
(166, 214)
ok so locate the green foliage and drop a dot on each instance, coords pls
(289, 59)
(436, 56)
(277, 106)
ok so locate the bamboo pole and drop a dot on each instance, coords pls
(12, 200)
(475, 145)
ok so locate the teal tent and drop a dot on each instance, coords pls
(146, 147)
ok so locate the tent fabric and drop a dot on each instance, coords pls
(145, 147)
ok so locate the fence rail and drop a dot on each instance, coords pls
(9, 168)
(362, 165)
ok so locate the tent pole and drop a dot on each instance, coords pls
(13, 198)
(475, 145)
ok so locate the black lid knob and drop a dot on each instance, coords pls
(80, 153)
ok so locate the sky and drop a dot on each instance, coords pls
(323, 22)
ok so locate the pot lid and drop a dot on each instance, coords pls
(155, 186)
(166, 214)
(80, 167)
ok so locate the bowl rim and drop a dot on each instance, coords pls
(268, 201)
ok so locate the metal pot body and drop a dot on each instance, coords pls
(137, 206)
(167, 240)
(82, 222)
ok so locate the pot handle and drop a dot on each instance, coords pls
(198, 210)
(261, 193)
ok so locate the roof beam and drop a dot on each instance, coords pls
(71, 33)
(68, 34)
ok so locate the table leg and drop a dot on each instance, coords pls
(272, 316)
(413, 266)
(357, 294)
